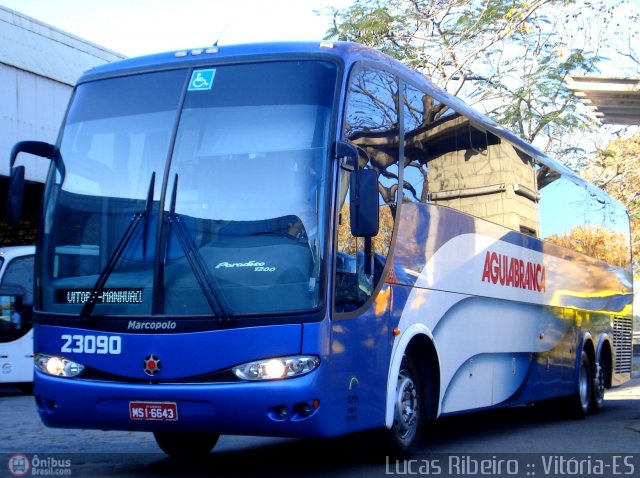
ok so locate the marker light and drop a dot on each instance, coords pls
(58, 366)
(277, 368)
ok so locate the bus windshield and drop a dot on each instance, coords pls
(191, 192)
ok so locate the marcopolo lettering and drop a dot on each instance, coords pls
(162, 325)
(513, 272)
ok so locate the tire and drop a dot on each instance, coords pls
(597, 390)
(580, 402)
(26, 387)
(402, 439)
(190, 445)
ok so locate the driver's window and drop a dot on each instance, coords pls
(371, 125)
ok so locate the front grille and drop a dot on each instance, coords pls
(622, 341)
(224, 376)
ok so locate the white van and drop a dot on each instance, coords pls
(16, 300)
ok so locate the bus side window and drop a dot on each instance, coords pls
(16, 297)
(19, 274)
(578, 219)
(422, 116)
(371, 125)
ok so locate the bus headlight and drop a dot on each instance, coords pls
(277, 368)
(58, 366)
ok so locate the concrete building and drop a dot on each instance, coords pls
(612, 100)
(39, 66)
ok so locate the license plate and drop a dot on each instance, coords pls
(162, 411)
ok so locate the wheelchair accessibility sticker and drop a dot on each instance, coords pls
(201, 80)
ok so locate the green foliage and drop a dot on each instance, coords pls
(511, 58)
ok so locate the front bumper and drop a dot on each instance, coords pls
(284, 408)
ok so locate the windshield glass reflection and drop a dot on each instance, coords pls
(221, 217)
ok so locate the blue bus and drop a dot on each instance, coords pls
(311, 240)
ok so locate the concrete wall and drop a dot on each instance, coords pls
(486, 178)
(31, 107)
(39, 66)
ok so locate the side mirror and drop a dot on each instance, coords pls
(15, 196)
(363, 204)
(347, 154)
(16, 181)
(364, 211)
(37, 148)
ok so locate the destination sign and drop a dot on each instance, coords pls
(106, 296)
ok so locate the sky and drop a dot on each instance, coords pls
(140, 27)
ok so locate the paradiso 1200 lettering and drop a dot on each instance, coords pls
(257, 266)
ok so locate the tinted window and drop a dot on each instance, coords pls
(582, 219)
(16, 295)
(371, 124)
(451, 162)
(244, 217)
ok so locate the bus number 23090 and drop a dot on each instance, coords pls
(92, 344)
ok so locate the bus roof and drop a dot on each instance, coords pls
(346, 53)
(230, 53)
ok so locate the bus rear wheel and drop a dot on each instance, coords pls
(403, 437)
(599, 385)
(189, 445)
(580, 401)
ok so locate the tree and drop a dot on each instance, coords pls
(508, 57)
(512, 59)
(596, 241)
(616, 169)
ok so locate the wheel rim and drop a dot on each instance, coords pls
(598, 383)
(407, 411)
(584, 387)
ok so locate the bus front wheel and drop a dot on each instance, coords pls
(186, 444)
(403, 437)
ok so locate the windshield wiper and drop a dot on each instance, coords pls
(98, 288)
(207, 283)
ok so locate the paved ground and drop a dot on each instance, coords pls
(525, 432)
(20, 420)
